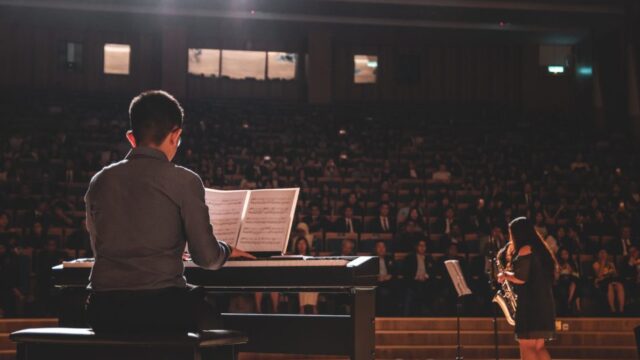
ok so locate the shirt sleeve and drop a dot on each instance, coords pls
(88, 206)
(206, 251)
(522, 267)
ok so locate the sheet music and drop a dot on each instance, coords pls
(455, 272)
(225, 212)
(268, 218)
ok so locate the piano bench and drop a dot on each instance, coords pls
(80, 343)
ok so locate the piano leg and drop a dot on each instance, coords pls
(363, 319)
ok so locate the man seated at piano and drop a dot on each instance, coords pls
(141, 212)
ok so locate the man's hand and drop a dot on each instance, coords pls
(237, 253)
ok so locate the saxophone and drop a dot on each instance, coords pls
(506, 298)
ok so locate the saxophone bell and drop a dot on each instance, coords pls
(506, 298)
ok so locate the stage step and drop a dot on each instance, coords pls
(474, 323)
(483, 337)
(487, 352)
(435, 338)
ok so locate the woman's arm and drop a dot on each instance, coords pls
(523, 270)
(510, 277)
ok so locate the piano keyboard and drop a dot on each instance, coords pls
(280, 263)
(309, 262)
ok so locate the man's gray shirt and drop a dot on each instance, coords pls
(140, 213)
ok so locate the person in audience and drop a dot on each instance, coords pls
(331, 169)
(384, 291)
(39, 214)
(383, 223)
(418, 272)
(37, 236)
(540, 226)
(445, 225)
(47, 258)
(599, 226)
(572, 241)
(347, 248)
(12, 294)
(59, 217)
(552, 243)
(352, 202)
(623, 243)
(4, 223)
(454, 237)
(403, 213)
(479, 217)
(442, 175)
(316, 221)
(631, 272)
(567, 289)
(579, 165)
(313, 239)
(608, 281)
(493, 242)
(408, 237)
(417, 217)
(412, 171)
(308, 300)
(79, 240)
(347, 223)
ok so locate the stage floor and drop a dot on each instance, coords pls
(435, 338)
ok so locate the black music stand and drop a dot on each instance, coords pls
(457, 277)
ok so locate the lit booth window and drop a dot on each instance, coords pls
(281, 65)
(555, 58)
(204, 62)
(116, 59)
(555, 69)
(238, 64)
(365, 69)
(70, 56)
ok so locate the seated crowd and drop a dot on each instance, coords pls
(413, 186)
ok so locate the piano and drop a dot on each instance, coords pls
(350, 335)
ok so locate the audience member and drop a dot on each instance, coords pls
(608, 281)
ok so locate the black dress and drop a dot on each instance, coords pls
(535, 314)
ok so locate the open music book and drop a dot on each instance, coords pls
(253, 220)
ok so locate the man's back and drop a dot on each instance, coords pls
(140, 212)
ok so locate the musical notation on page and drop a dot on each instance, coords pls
(268, 220)
(226, 210)
(254, 220)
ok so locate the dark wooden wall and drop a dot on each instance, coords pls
(451, 69)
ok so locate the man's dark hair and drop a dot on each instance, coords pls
(153, 115)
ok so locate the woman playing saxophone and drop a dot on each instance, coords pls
(532, 274)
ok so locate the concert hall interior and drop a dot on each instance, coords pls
(319, 179)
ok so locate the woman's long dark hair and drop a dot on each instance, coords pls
(523, 233)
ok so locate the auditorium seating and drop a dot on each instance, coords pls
(53, 147)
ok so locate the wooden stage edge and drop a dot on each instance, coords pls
(435, 338)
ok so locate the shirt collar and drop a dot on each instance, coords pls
(144, 151)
